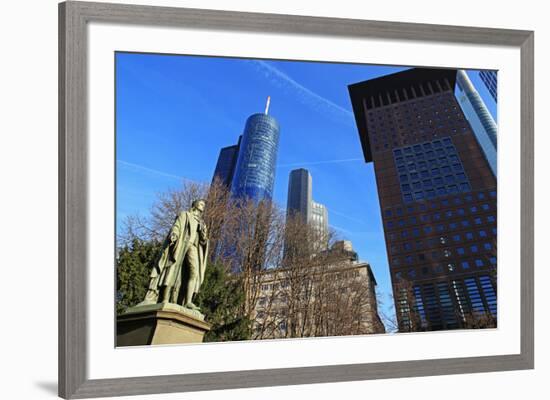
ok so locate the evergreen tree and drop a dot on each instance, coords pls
(134, 263)
(221, 299)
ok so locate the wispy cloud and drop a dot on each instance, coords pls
(303, 163)
(342, 230)
(141, 168)
(187, 94)
(348, 217)
(307, 96)
(372, 235)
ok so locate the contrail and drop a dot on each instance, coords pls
(304, 92)
(320, 162)
(371, 234)
(332, 211)
(344, 230)
(153, 171)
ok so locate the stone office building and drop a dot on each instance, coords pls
(332, 297)
(437, 196)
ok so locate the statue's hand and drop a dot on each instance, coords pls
(173, 238)
(204, 232)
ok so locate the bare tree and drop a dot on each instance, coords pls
(479, 320)
(293, 285)
(389, 320)
(162, 213)
(316, 292)
(409, 316)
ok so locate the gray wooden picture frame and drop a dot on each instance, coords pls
(73, 196)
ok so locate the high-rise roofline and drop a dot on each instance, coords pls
(389, 89)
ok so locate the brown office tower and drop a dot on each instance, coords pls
(437, 198)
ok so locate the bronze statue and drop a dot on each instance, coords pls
(179, 272)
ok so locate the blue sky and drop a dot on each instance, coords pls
(174, 113)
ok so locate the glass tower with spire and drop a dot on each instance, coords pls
(254, 174)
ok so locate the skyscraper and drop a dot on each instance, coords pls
(225, 167)
(319, 222)
(299, 194)
(255, 167)
(489, 78)
(481, 121)
(437, 197)
(300, 203)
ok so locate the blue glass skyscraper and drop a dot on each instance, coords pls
(255, 169)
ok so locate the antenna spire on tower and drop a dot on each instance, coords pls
(267, 104)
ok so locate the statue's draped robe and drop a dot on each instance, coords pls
(168, 269)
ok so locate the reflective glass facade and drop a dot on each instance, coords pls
(489, 78)
(482, 123)
(466, 86)
(227, 160)
(255, 169)
(429, 170)
(489, 149)
(319, 221)
(437, 196)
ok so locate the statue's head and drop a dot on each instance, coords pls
(198, 205)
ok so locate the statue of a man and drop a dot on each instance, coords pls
(179, 272)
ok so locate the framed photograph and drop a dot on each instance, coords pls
(280, 200)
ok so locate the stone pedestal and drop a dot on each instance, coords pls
(163, 323)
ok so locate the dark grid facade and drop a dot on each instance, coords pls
(299, 194)
(437, 196)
